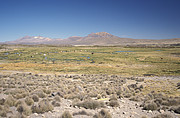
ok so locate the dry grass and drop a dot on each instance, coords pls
(78, 60)
(42, 107)
(66, 114)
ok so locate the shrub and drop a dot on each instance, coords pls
(176, 109)
(163, 116)
(83, 112)
(24, 109)
(103, 114)
(134, 98)
(46, 91)
(170, 102)
(10, 101)
(42, 107)
(113, 97)
(127, 95)
(29, 101)
(2, 101)
(4, 110)
(90, 104)
(66, 114)
(150, 106)
(35, 98)
(113, 103)
(19, 102)
(55, 104)
(57, 98)
(40, 93)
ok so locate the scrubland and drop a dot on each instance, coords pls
(89, 82)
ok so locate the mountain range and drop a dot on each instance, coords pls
(100, 38)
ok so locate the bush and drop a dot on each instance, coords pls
(10, 101)
(24, 109)
(19, 102)
(29, 101)
(176, 109)
(57, 98)
(42, 107)
(47, 91)
(113, 97)
(2, 101)
(170, 102)
(163, 116)
(35, 98)
(55, 104)
(66, 114)
(40, 93)
(83, 112)
(90, 104)
(103, 114)
(114, 103)
(4, 110)
(150, 106)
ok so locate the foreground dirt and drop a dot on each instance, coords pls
(128, 93)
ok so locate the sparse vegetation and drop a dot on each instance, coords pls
(66, 114)
(42, 107)
(24, 109)
(29, 101)
(90, 104)
(10, 101)
(103, 114)
(101, 84)
(35, 98)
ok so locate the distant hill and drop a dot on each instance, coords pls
(100, 38)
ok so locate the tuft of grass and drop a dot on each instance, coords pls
(57, 98)
(42, 107)
(163, 116)
(2, 101)
(83, 112)
(40, 93)
(29, 101)
(90, 104)
(24, 109)
(66, 114)
(114, 103)
(4, 110)
(103, 114)
(35, 98)
(10, 101)
(56, 104)
(150, 106)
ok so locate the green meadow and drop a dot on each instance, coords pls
(92, 60)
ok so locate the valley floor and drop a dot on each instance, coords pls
(86, 95)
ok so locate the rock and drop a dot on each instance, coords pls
(161, 111)
(35, 114)
(149, 111)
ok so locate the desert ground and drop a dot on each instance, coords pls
(89, 82)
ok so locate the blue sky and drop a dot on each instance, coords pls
(139, 19)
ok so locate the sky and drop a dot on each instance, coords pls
(138, 19)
